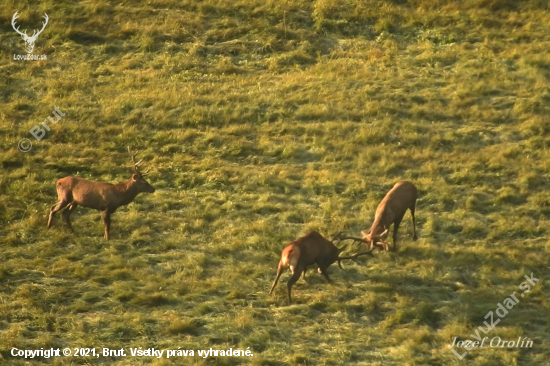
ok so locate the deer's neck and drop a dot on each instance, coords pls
(127, 191)
(380, 221)
(377, 226)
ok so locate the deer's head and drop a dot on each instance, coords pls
(137, 178)
(374, 238)
(339, 258)
(29, 40)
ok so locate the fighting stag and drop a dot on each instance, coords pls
(394, 205)
(311, 248)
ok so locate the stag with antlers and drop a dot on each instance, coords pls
(398, 200)
(311, 248)
(105, 197)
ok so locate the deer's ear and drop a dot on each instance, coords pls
(135, 177)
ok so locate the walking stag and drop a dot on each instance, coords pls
(105, 197)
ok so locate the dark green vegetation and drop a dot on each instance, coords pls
(264, 120)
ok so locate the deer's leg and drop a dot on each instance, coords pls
(295, 277)
(106, 215)
(323, 270)
(396, 224)
(280, 271)
(67, 212)
(58, 206)
(414, 223)
(304, 276)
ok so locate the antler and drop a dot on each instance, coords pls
(353, 257)
(336, 236)
(340, 238)
(15, 16)
(43, 26)
(357, 255)
(137, 165)
(380, 245)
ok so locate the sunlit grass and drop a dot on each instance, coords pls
(263, 120)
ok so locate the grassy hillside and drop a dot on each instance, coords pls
(263, 120)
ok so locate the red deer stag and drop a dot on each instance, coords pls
(105, 197)
(400, 198)
(307, 250)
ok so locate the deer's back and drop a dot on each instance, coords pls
(87, 193)
(400, 198)
(314, 246)
(81, 183)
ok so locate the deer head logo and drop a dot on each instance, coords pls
(29, 41)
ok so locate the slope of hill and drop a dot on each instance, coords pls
(264, 120)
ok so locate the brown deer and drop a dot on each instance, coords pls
(307, 250)
(105, 197)
(394, 205)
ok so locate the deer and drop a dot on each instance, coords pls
(105, 197)
(29, 41)
(307, 250)
(392, 208)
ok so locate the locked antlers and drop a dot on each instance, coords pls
(379, 245)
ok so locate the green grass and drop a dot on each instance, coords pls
(264, 120)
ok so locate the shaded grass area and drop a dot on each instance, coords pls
(264, 120)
